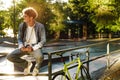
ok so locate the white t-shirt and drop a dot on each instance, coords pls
(31, 39)
(30, 36)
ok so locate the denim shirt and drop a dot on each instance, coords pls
(39, 32)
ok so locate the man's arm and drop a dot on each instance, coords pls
(20, 36)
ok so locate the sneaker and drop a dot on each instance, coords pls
(27, 69)
(35, 72)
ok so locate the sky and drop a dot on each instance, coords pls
(8, 3)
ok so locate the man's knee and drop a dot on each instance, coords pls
(39, 59)
(9, 57)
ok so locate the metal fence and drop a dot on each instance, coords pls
(87, 54)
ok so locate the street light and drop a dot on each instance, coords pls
(14, 20)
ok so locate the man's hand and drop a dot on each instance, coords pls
(23, 49)
(28, 49)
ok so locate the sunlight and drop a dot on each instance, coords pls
(6, 67)
(65, 0)
(9, 32)
(6, 4)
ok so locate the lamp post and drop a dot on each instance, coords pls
(14, 21)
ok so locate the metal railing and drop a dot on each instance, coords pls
(87, 53)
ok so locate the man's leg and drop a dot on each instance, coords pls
(15, 57)
(39, 59)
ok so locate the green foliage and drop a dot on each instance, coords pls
(116, 26)
(2, 33)
(56, 23)
(15, 15)
(80, 8)
(104, 13)
(2, 20)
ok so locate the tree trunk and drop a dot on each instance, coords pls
(110, 35)
(99, 35)
(84, 31)
(69, 33)
(57, 35)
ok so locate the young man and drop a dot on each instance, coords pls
(31, 38)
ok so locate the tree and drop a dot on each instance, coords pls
(15, 17)
(1, 24)
(56, 24)
(103, 14)
(80, 10)
(2, 18)
(116, 25)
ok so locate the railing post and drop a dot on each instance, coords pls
(49, 67)
(87, 58)
(108, 55)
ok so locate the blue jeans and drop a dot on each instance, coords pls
(16, 55)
